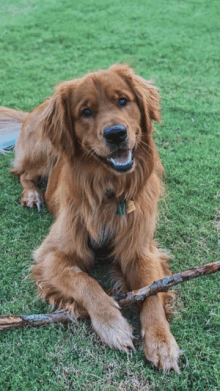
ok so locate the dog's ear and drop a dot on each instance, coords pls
(57, 122)
(146, 94)
(152, 98)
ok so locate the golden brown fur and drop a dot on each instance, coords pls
(58, 142)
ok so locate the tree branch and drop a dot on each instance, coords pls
(6, 322)
(162, 285)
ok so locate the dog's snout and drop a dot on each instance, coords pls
(115, 134)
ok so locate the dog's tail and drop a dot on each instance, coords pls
(10, 126)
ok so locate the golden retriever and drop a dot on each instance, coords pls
(93, 140)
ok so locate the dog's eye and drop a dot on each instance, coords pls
(87, 113)
(123, 102)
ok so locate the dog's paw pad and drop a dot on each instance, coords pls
(163, 354)
(117, 334)
(32, 198)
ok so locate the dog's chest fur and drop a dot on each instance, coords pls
(106, 223)
(105, 235)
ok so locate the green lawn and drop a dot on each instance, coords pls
(177, 44)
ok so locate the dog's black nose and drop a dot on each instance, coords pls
(115, 134)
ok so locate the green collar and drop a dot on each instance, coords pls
(121, 208)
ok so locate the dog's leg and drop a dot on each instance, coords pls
(31, 194)
(34, 158)
(28, 156)
(61, 279)
(160, 346)
(30, 170)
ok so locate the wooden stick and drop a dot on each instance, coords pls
(6, 322)
(162, 285)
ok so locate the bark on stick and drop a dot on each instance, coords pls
(166, 283)
(163, 285)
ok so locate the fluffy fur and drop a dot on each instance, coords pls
(61, 142)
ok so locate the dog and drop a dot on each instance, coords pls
(92, 140)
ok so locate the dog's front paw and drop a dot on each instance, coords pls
(32, 198)
(161, 349)
(112, 327)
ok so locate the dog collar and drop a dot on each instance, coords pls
(125, 207)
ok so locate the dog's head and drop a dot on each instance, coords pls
(105, 116)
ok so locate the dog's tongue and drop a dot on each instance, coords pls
(122, 159)
(121, 156)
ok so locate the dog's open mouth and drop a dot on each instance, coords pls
(120, 160)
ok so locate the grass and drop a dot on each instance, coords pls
(176, 44)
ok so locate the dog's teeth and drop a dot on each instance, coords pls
(128, 161)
